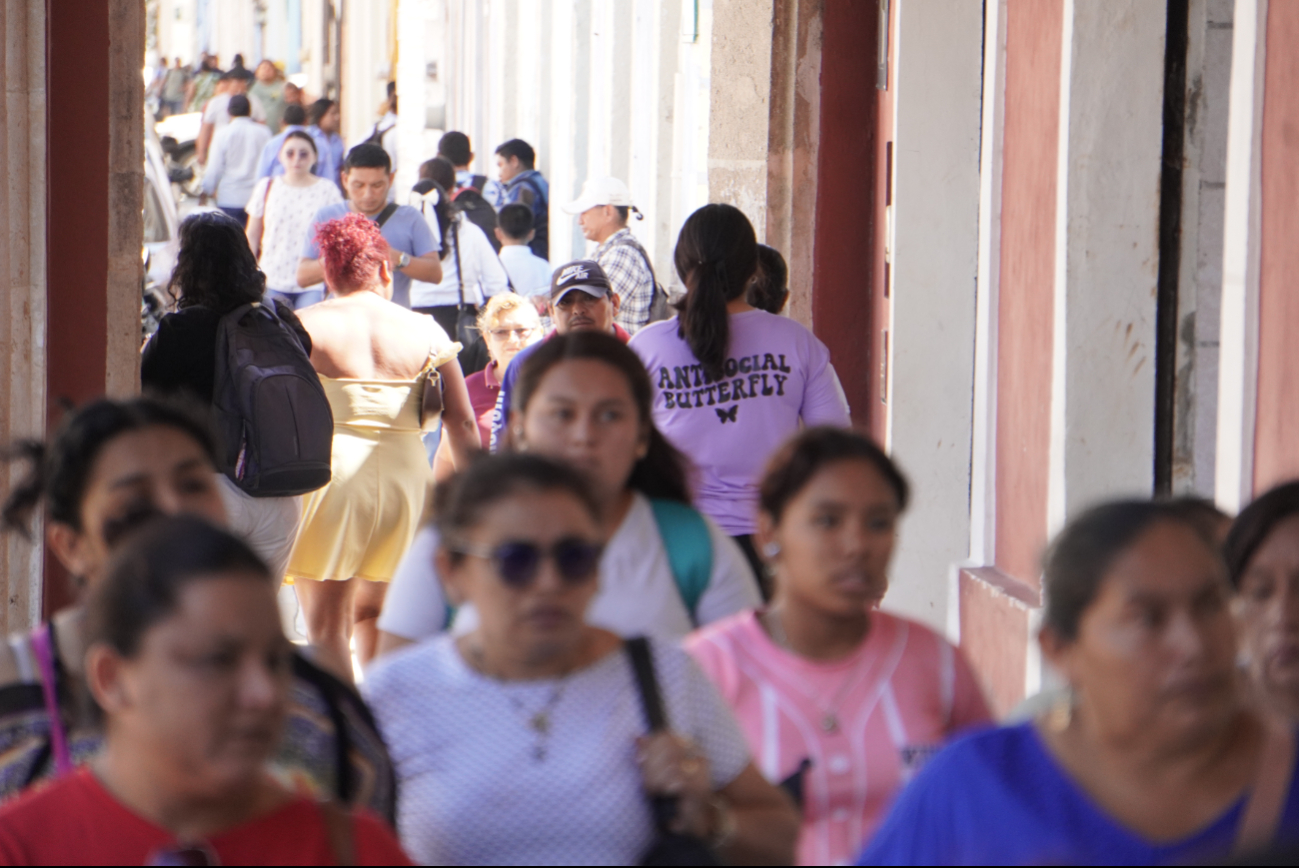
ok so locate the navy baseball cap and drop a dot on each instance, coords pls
(583, 274)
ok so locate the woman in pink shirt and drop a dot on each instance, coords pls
(838, 700)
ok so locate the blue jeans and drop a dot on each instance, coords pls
(296, 300)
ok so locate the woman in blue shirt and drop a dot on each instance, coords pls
(1156, 756)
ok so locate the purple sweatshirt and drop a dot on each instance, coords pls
(777, 375)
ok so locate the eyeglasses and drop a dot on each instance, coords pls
(517, 563)
(520, 333)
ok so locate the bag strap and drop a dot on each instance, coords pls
(388, 211)
(690, 550)
(1267, 799)
(43, 651)
(455, 249)
(638, 652)
(338, 828)
(630, 241)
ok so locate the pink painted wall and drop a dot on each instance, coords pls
(1276, 433)
(1028, 201)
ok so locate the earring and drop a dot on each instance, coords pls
(1060, 715)
(771, 549)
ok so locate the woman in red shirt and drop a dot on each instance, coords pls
(190, 667)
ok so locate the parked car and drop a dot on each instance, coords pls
(161, 231)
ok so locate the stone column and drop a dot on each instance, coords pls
(22, 264)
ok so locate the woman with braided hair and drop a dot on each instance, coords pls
(376, 360)
(733, 382)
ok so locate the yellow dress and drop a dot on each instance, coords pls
(362, 522)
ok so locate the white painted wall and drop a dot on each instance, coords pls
(1108, 254)
(1238, 355)
(935, 257)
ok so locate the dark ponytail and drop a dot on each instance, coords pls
(661, 473)
(718, 247)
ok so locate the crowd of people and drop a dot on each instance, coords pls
(606, 570)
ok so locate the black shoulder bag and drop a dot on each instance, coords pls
(467, 316)
(671, 848)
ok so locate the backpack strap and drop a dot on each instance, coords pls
(338, 828)
(388, 211)
(689, 545)
(43, 650)
(638, 654)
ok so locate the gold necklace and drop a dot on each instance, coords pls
(538, 721)
(829, 716)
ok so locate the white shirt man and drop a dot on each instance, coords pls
(484, 276)
(232, 165)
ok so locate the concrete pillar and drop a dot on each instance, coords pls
(23, 269)
(934, 259)
(1258, 386)
(740, 106)
(1238, 353)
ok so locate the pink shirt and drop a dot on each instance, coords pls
(895, 701)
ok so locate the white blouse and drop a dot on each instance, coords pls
(287, 215)
(480, 787)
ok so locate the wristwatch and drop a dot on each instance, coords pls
(403, 260)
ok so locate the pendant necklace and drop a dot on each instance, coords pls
(829, 716)
(539, 720)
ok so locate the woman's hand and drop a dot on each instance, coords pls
(674, 766)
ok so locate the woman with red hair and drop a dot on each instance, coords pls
(374, 358)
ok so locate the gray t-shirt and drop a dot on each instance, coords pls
(474, 790)
(405, 231)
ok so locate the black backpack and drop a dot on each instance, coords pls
(478, 211)
(272, 416)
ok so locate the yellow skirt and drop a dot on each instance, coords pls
(362, 522)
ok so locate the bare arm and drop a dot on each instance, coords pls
(443, 465)
(459, 429)
(755, 820)
(203, 142)
(427, 268)
(766, 822)
(310, 272)
(254, 233)
(389, 642)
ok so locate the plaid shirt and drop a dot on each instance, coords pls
(626, 263)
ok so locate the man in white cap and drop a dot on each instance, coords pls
(603, 210)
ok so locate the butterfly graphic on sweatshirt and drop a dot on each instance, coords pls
(727, 415)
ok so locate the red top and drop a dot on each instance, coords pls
(484, 388)
(75, 821)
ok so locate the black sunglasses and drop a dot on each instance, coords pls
(517, 563)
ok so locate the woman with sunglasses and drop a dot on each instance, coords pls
(188, 663)
(584, 399)
(524, 740)
(110, 467)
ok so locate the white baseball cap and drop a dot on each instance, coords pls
(600, 191)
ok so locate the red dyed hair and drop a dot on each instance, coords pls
(351, 249)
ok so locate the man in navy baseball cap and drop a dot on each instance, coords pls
(581, 299)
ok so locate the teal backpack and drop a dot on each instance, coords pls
(690, 549)
(690, 553)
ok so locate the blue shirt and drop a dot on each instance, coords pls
(405, 231)
(998, 797)
(329, 154)
(269, 164)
